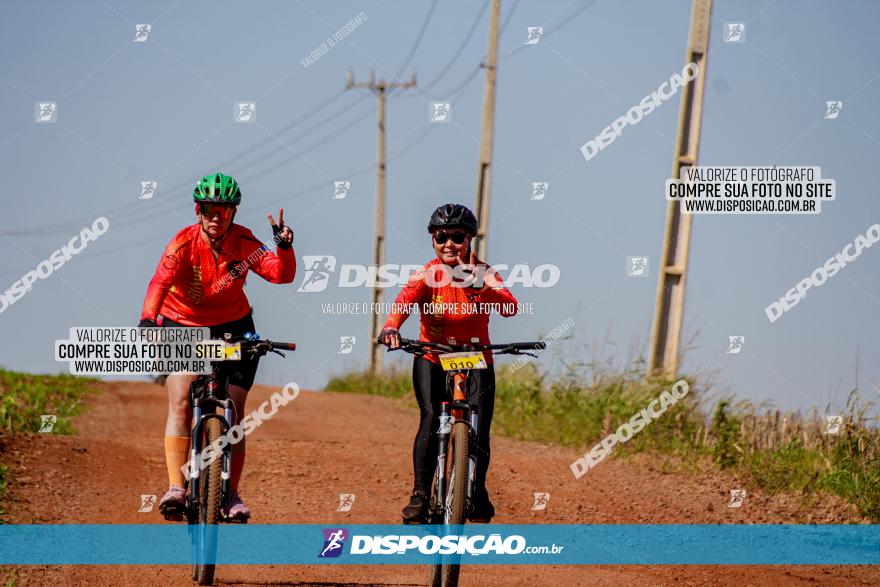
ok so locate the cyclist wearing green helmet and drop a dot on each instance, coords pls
(199, 282)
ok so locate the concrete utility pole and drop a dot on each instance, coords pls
(487, 135)
(669, 306)
(379, 88)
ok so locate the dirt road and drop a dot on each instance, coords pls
(324, 444)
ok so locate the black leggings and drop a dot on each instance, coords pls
(429, 382)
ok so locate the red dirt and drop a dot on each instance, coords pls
(316, 448)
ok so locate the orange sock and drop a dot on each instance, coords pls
(176, 456)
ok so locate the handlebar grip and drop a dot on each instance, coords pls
(287, 346)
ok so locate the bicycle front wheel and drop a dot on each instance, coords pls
(209, 501)
(456, 498)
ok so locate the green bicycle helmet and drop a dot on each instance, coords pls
(217, 188)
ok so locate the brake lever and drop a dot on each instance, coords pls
(277, 352)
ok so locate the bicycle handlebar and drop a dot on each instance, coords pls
(410, 345)
(250, 344)
(287, 346)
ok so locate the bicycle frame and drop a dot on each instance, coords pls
(205, 401)
(459, 410)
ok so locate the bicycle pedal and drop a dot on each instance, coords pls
(172, 512)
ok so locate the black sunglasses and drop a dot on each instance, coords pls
(457, 237)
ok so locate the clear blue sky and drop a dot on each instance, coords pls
(163, 109)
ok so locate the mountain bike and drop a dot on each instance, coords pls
(207, 492)
(452, 493)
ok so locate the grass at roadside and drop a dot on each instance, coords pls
(773, 450)
(394, 382)
(25, 397)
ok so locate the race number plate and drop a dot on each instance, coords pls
(233, 352)
(217, 350)
(467, 360)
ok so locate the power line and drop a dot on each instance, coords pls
(548, 34)
(415, 46)
(460, 49)
(154, 212)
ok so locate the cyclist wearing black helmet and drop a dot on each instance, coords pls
(439, 284)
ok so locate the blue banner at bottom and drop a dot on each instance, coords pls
(475, 544)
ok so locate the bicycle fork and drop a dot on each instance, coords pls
(197, 447)
(447, 419)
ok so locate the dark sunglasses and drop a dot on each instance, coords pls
(209, 210)
(457, 237)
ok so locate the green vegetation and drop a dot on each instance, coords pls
(24, 398)
(776, 451)
(394, 382)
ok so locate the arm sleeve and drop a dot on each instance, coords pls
(412, 293)
(496, 293)
(277, 267)
(163, 279)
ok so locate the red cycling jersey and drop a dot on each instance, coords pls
(460, 316)
(195, 289)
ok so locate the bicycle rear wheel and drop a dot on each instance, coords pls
(209, 502)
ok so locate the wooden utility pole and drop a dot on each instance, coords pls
(379, 87)
(487, 135)
(669, 306)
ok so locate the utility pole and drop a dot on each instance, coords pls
(487, 135)
(669, 305)
(378, 87)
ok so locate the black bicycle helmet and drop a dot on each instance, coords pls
(454, 216)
